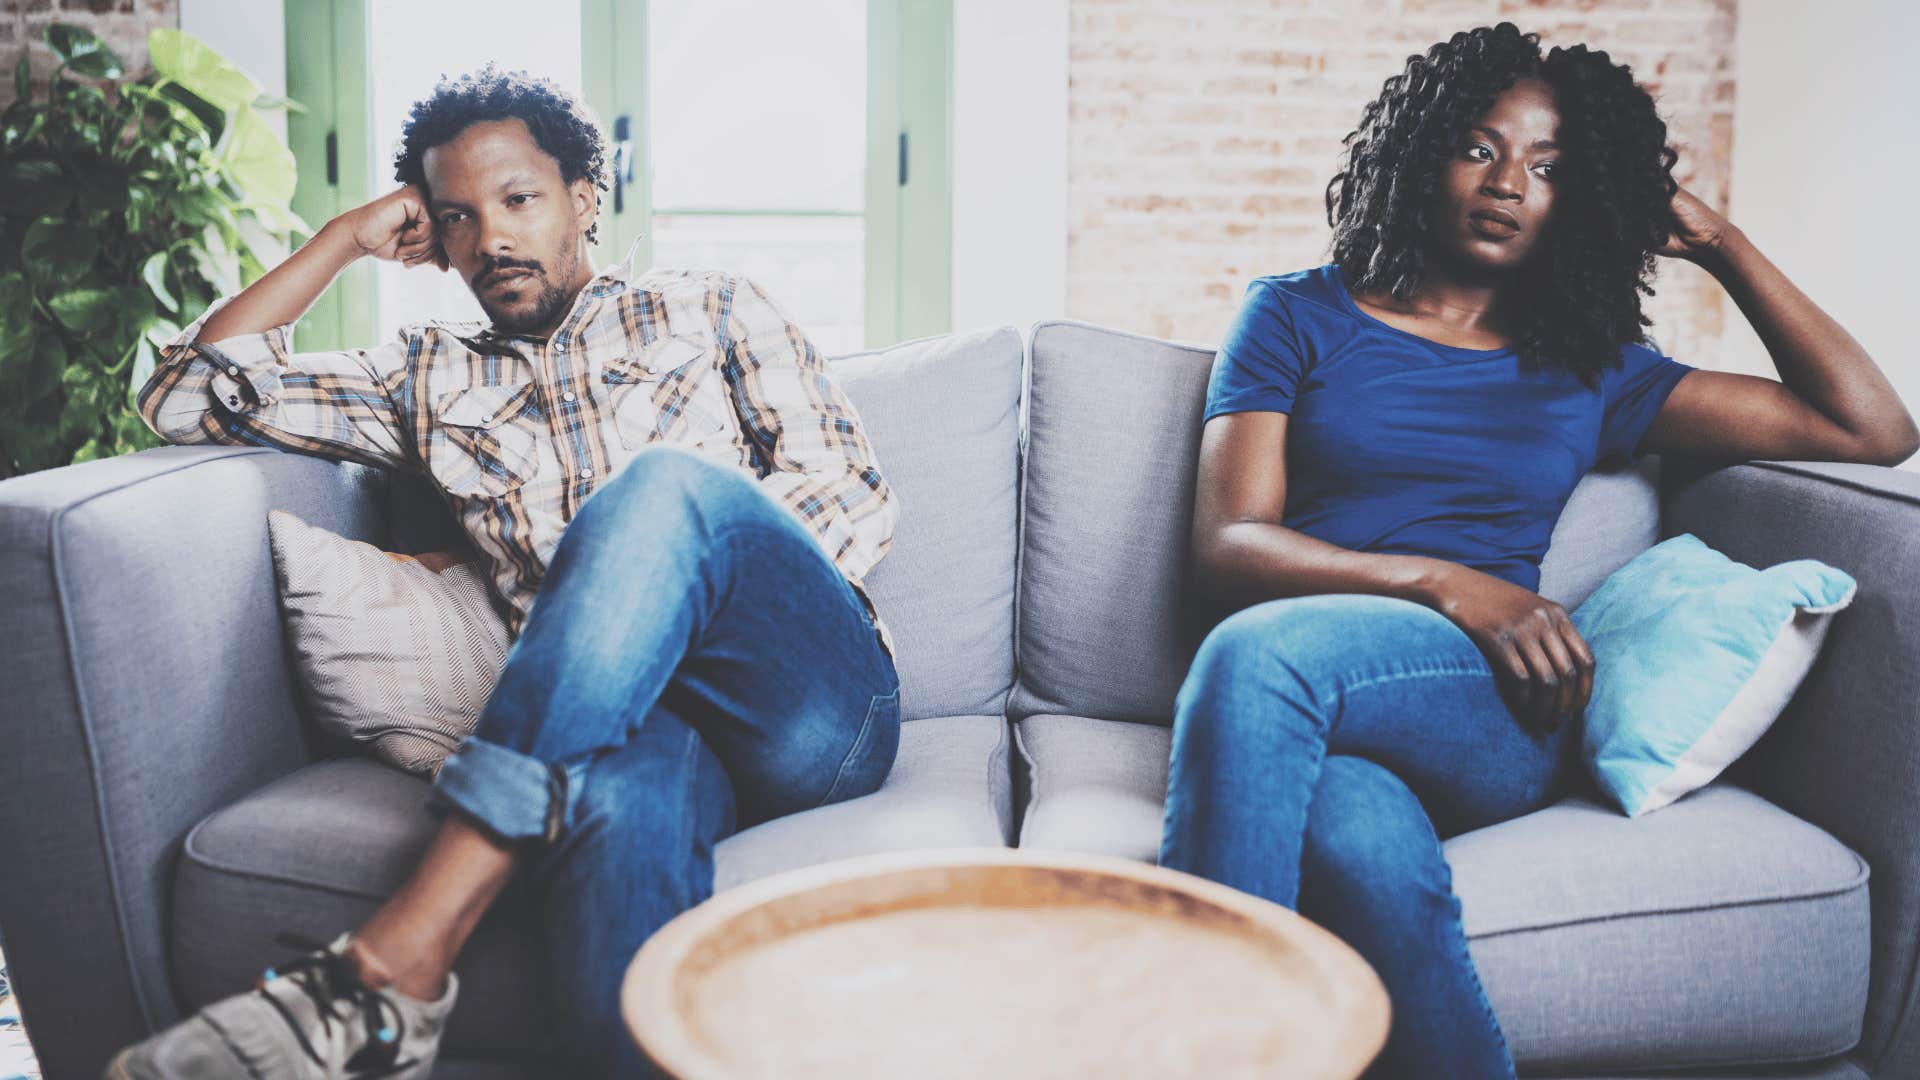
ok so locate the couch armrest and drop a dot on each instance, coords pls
(1846, 753)
(146, 686)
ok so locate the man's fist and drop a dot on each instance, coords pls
(397, 227)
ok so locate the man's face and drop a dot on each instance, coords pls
(511, 227)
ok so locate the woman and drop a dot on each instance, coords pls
(1389, 440)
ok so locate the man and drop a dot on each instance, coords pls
(677, 504)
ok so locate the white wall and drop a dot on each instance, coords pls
(1826, 146)
(1009, 162)
(252, 34)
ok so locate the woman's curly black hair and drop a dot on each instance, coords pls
(559, 123)
(1614, 178)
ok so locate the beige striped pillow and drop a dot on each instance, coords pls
(391, 654)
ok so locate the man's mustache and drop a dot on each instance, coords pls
(495, 266)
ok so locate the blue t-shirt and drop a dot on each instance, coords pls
(1397, 444)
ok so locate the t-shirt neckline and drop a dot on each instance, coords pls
(1338, 278)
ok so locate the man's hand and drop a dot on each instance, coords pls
(396, 227)
(1544, 667)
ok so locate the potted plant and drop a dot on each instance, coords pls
(124, 209)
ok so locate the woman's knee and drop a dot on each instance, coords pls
(1368, 838)
(1304, 636)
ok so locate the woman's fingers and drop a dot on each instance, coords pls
(1583, 658)
(1565, 668)
(1547, 683)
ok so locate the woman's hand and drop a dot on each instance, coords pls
(1694, 229)
(1544, 667)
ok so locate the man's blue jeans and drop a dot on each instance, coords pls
(693, 664)
(1322, 748)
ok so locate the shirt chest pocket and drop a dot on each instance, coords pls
(671, 391)
(489, 439)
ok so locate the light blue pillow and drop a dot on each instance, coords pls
(1696, 655)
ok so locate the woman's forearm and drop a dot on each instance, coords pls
(1248, 562)
(1816, 357)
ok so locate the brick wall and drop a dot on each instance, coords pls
(1202, 133)
(122, 24)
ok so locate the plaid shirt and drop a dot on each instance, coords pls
(518, 431)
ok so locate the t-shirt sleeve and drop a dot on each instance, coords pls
(1259, 366)
(1635, 392)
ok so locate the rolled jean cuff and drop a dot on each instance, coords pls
(516, 797)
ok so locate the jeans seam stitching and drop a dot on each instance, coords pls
(1364, 682)
(859, 739)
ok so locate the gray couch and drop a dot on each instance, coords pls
(166, 812)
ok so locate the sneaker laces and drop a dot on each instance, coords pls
(326, 976)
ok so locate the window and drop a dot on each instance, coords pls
(801, 143)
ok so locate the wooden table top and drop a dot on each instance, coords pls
(970, 962)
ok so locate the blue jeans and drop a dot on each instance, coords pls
(1323, 746)
(693, 664)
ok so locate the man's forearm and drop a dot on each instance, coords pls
(1248, 562)
(288, 290)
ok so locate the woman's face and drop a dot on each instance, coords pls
(1496, 192)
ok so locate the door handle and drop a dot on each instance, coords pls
(622, 161)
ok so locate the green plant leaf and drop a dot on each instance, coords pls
(23, 79)
(59, 251)
(83, 51)
(154, 273)
(103, 190)
(161, 331)
(35, 187)
(271, 101)
(77, 381)
(207, 117)
(191, 63)
(278, 219)
(16, 315)
(78, 418)
(257, 162)
(49, 364)
(144, 361)
(86, 311)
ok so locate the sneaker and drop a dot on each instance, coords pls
(310, 1020)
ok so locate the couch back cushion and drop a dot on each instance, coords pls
(944, 418)
(1612, 515)
(1113, 436)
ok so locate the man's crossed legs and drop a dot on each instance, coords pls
(694, 663)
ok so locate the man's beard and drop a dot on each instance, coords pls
(547, 306)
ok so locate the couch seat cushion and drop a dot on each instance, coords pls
(316, 851)
(1719, 930)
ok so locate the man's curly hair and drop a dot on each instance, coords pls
(1581, 301)
(559, 123)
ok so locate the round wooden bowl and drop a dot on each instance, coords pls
(974, 962)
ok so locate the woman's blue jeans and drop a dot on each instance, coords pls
(1323, 746)
(693, 664)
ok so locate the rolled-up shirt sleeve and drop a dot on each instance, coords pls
(254, 390)
(819, 462)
